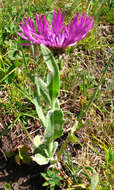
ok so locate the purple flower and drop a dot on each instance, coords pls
(57, 36)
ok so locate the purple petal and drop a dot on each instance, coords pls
(21, 35)
(56, 35)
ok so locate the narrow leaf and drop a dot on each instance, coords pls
(37, 101)
(54, 125)
(53, 77)
(39, 112)
(44, 90)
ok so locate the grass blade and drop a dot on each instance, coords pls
(95, 92)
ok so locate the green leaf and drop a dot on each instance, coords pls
(94, 178)
(112, 156)
(23, 154)
(57, 106)
(10, 72)
(37, 141)
(40, 159)
(53, 78)
(24, 93)
(37, 101)
(62, 149)
(51, 149)
(11, 77)
(17, 159)
(7, 186)
(45, 184)
(9, 154)
(73, 139)
(41, 155)
(55, 145)
(107, 155)
(54, 125)
(44, 90)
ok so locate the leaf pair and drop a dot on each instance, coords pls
(45, 150)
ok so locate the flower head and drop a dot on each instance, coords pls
(57, 35)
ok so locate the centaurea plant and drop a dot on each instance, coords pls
(56, 36)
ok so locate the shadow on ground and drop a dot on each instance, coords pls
(24, 177)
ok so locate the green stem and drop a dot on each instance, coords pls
(24, 60)
(53, 105)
